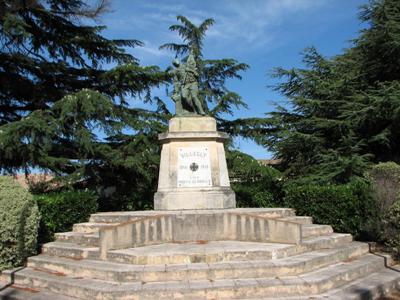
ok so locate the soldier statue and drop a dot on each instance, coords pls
(186, 87)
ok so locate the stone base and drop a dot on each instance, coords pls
(217, 198)
(204, 187)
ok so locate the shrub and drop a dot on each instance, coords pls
(385, 180)
(60, 210)
(255, 185)
(19, 222)
(348, 207)
(391, 228)
(252, 195)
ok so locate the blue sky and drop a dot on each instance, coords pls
(262, 33)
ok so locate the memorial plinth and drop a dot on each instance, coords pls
(193, 170)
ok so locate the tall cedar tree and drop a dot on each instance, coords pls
(56, 94)
(343, 112)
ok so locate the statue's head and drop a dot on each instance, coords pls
(176, 62)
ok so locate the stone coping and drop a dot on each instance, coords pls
(192, 123)
(149, 213)
(193, 135)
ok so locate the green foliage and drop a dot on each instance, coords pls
(378, 46)
(255, 185)
(391, 228)
(343, 112)
(19, 219)
(63, 110)
(60, 210)
(385, 179)
(347, 207)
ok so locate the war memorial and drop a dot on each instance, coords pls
(196, 244)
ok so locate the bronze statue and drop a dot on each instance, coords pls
(186, 88)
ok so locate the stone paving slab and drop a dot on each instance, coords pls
(196, 252)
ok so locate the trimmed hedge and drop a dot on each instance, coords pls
(63, 209)
(19, 222)
(253, 195)
(348, 208)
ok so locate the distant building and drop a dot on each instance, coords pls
(269, 162)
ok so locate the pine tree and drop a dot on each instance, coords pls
(62, 110)
(343, 112)
(376, 57)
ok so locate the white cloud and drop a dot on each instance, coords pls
(150, 49)
(254, 22)
(240, 25)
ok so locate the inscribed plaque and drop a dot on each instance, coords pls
(194, 167)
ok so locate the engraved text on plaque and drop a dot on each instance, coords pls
(194, 167)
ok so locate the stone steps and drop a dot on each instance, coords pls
(372, 286)
(70, 250)
(109, 271)
(84, 239)
(219, 251)
(195, 263)
(90, 227)
(311, 283)
(216, 251)
(298, 219)
(16, 292)
(20, 293)
(326, 241)
(309, 230)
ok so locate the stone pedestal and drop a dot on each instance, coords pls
(193, 171)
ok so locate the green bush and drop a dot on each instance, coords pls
(252, 195)
(385, 180)
(19, 222)
(255, 185)
(391, 228)
(348, 207)
(60, 210)
(385, 183)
